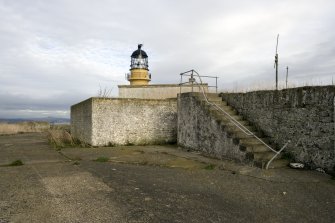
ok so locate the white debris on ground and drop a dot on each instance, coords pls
(320, 170)
(297, 165)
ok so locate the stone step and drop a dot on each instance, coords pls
(256, 152)
(219, 106)
(237, 117)
(227, 121)
(238, 135)
(217, 100)
(210, 97)
(230, 126)
(213, 95)
(277, 163)
(262, 156)
(256, 148)
(253, 140)
(214, 99)
(224, 102)
(244, 122)
(229, 112)
(226, 108)
(215, 112)
(237, 132)
(224, 116)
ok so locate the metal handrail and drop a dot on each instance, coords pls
(192, 80)
(289, 141)
(234, 121)
(277, 153)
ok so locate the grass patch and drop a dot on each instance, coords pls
(76, 163)
(111, 144)
(61, 138)
(66, 127)
(14, 163)
(210, 167)
(102, 159)
(129, 143)
(144, 163)
(23, 127)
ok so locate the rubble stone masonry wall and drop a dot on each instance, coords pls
(199, 130)
(305, 114)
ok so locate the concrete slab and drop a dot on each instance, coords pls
(151, 184)
(174, 156)
(28, 147)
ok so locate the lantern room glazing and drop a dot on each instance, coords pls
(139, 59)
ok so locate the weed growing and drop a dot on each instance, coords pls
(14, 163)
(61, 138)
(111, 144)
(129, 143)
(23, 127)
(76, 163)
(102, 159)
(144, 163)
(210, 167)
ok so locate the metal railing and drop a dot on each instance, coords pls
(244, 129)
(192, 80)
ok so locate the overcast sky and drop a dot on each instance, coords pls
(56, 53)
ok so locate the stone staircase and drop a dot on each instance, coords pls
(256, 152)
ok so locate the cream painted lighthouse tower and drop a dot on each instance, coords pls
(139, 72)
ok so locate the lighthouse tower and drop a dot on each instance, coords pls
(139, 72)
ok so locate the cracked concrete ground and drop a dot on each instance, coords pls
(151, 184)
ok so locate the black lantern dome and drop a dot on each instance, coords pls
(139, 59)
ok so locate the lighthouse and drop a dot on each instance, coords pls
(139, 78)
(139, 71)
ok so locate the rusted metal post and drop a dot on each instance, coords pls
(286, 75)
(276, 63)
(192, 80)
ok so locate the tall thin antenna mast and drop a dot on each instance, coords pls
(276, 63)
(286, 75)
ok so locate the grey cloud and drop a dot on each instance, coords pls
(56, 53)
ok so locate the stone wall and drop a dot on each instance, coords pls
(81, 121)
(198, 130)
(116, 121)
(305, 113)
(156, 91)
